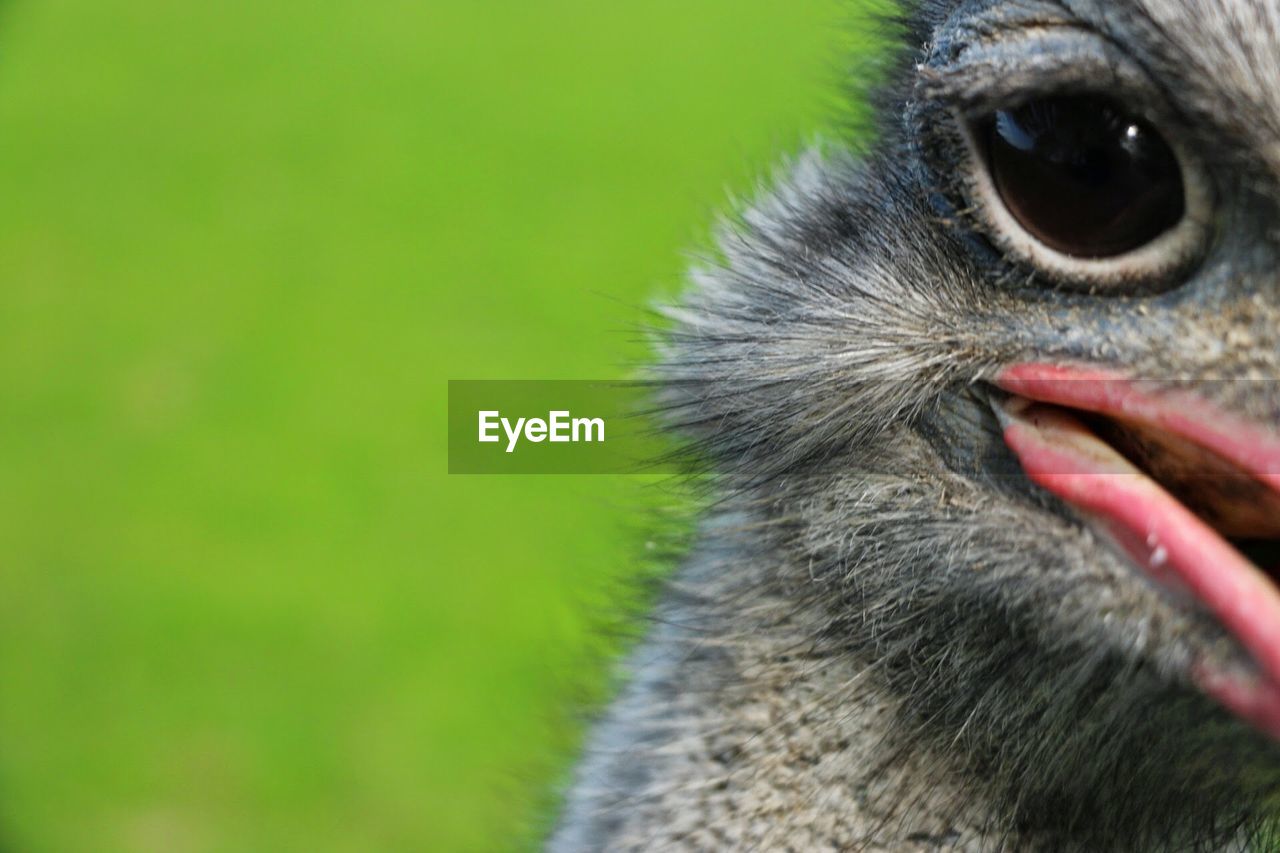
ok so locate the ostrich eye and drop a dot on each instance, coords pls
(1083, 176)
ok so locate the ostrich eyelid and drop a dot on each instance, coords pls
(1001, 74)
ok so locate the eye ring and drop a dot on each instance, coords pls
(1154, 259)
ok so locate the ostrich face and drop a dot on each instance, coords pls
(1115, 168)
(1004, 387)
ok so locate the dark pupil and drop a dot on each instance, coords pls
(1083, 176)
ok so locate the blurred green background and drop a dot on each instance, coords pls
(243, 245)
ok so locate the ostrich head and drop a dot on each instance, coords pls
(998, 396)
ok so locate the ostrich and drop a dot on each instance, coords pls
(992, 409)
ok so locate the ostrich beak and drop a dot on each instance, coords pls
(1181, 486)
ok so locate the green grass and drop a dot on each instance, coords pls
(242, 247)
